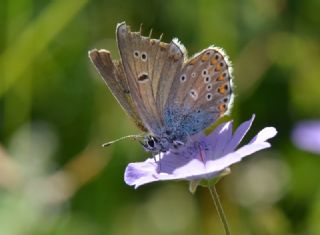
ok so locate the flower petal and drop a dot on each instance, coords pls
(238, 135)
(223, 140)
(265, 134)
(258, 143)
(148, 171)
(137, 172)
(218, 140)
(306, 135)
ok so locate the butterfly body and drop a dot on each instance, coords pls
(167, 95)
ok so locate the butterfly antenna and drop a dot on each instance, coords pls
(135, 137)
(140, 30)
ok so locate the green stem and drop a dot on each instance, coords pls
(217, 203)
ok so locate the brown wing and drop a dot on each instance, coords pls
(113, 75)
(150, 67)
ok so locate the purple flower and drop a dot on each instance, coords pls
(205, 157)
(306, 135)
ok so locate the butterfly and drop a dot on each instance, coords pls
(169, 96)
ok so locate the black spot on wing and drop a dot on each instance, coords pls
(143, 77)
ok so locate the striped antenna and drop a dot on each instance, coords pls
(135, 137)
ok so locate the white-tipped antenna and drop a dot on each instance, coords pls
(135, 137)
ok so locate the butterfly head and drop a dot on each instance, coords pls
(160, 144)
(151, 144)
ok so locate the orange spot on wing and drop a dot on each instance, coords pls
(204, 58)
(213, 61)
(222, 107)
(220, 78)
(218, 68)
(222, 89)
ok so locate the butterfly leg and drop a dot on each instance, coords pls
(157, 161)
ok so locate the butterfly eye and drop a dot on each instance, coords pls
(209, 96)
(183, 78)
(151, 143)
(136, 54)
(207, 79)
(144, 56)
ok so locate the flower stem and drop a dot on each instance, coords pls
(217, 203)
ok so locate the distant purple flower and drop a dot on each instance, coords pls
(306, 135)
(204, 158)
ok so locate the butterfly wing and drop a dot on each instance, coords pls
(201, 93)
(113, 75)
(161, 92)
(150, 67)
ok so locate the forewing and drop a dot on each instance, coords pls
(113, 75)
(150, 67)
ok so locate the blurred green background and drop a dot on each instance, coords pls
(55, 112)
